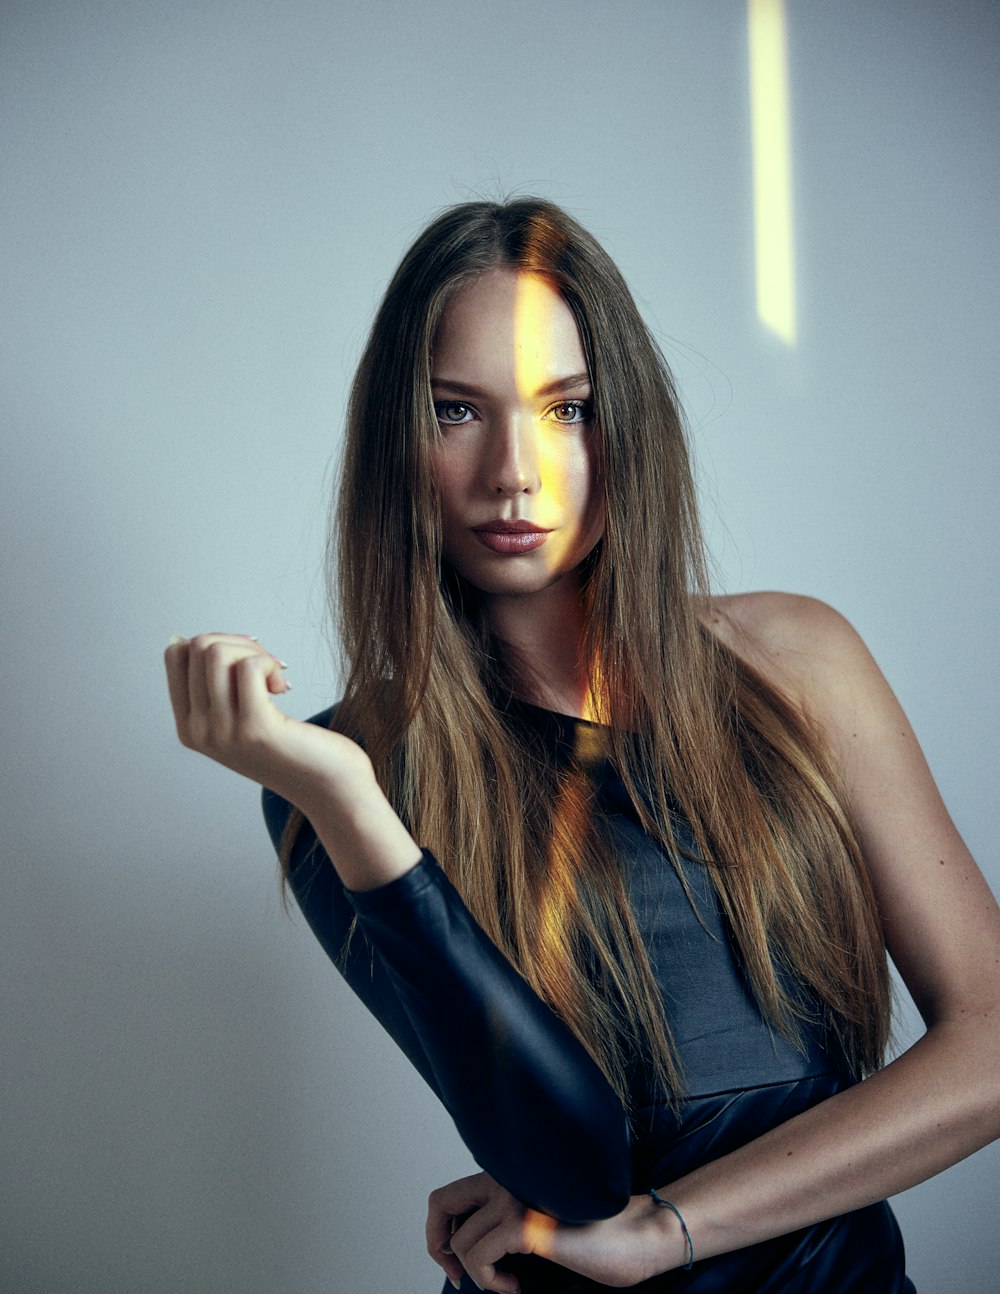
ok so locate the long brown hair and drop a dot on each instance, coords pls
(691, 724)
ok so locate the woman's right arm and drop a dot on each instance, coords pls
(527, 1099)
(220, 689)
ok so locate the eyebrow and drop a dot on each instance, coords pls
(571, 383)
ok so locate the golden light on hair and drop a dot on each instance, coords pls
(772, 168)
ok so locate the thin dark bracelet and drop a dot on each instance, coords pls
(687, 1234)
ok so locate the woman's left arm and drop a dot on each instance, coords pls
(940, 1100)
(937, 1102)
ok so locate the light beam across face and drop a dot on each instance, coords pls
(514, 406)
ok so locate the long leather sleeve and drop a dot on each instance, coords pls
(534, 1110)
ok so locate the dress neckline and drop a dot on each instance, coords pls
(559, 716)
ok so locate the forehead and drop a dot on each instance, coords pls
(507, 326)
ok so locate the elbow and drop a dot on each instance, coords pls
(988, 1088)
(971, 1044)
(576, 1202)
(584, 1173)
(577, 1175)
(582, 1200)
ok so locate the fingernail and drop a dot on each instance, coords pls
(282, 663)
(176, 640)
(288, 686)
(454, 1283)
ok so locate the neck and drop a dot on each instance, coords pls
(544, 633)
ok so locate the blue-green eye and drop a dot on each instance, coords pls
(453, 412)
(571, 411)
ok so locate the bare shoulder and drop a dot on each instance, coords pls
(800, 644)
(814, 656)
(941, 923)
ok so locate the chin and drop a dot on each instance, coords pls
(512, 584)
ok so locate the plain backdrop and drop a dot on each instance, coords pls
(201, 203)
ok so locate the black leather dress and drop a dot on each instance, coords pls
(527, 1100)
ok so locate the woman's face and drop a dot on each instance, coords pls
(515, 463)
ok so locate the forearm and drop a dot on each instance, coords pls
(532, 1106)
(527, 1099)
(364, 838)
(936, 1104)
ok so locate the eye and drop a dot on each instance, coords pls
(453, 412)
(571, 411)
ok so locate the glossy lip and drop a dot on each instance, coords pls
(510, 537)
(502, 527)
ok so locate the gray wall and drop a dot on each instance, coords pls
(201, 203)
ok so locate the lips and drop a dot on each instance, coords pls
(500, 527)
(510, 537)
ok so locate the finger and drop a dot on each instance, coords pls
(462, 1195)
(197, 687)
(438, 1231)
(273, 682)
(487, 1276)
(481, 1215)
(252, 701)
(221, 660)
(470, 1231)
(205, 640)
(481, 1242)
(451, 1267)
(219, 663)
(505, 1283)
(175, 658)
(441, 1224)
(449, 1206)
(483, 1271)
(210, 683)
(277, 683)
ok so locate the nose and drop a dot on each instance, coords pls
(515, 467)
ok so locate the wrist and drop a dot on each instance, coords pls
(364, 838)
(678, 1246)
(340, 792)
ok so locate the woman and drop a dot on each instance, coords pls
(676, 833)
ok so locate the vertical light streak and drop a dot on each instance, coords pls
(539, 359)
(772, 167)
(533, 308)
(535, 364)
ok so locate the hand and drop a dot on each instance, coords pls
(472, 1224)
(220, 689)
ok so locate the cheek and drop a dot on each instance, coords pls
(572, 481)
(595, 483)
(446, 477)
(590, 499)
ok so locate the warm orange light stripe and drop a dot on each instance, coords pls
(533, 306)
(772, 167)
